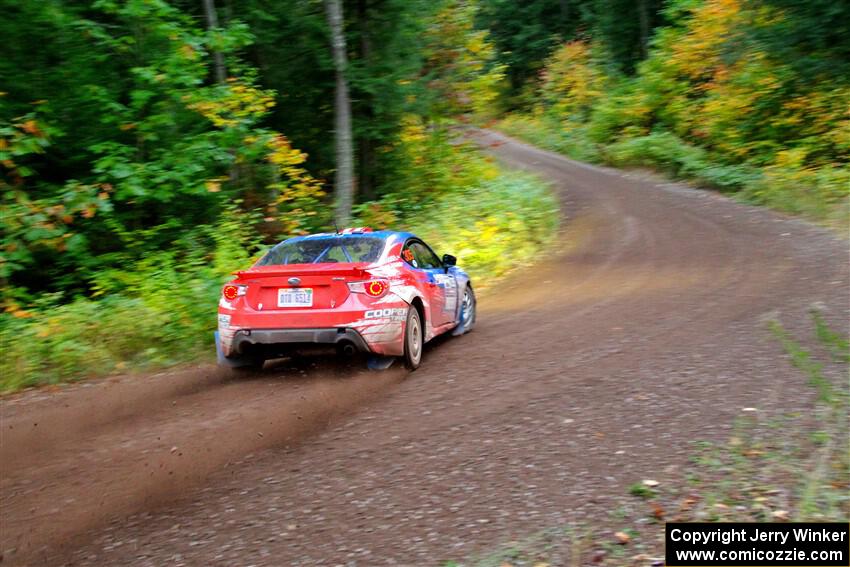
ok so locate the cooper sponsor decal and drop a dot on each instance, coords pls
(393, 313)
(224, 320)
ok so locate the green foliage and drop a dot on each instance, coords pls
(166, 152)
(292, 57)
(818, 485)
(625, 27)
(822, 193)
(406, 57)
(431, 161)
(524, 33)
(462, 74)
(161, 312)
(31, 222)
(124, 161)
(164, 147)
(806, 360)
(668, 153)
(387, 71)
(573, 81)
(813, 37)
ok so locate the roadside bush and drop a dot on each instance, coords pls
(627, 111)
(667, 153)
(165, 317)
(52, 342)
(659, 149)
(494, 227)
(551, 134)
(573, 80)
(822, 193)
(60, 341)
(157, 311)
(431, 160)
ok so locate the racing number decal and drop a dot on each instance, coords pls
(449, 284)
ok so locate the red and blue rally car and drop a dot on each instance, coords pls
(384, 293)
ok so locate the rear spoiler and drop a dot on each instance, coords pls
(356, 270)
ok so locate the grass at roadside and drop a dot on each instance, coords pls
(162, 311)
(773, 468)
(821, 195)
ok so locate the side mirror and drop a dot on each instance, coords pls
(449, 260)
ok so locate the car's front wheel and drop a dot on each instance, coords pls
(413, 339)
(468, 313)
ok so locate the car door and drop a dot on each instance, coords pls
(424, 272)
(441, 286)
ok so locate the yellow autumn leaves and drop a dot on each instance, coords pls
(238, 104)
(241, 105)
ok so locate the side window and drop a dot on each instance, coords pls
(408, 256)
(424, 257)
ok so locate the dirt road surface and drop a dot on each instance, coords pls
(641, 331)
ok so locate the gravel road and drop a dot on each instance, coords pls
(642, 330)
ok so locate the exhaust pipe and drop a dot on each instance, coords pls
(346, 348)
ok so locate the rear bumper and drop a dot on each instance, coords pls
(376, 328)
(242, 338)
(232, 347)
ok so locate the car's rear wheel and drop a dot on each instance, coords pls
(413, 339)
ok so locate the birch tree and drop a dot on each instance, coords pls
(344, 181)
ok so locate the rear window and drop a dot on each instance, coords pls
(325, 250)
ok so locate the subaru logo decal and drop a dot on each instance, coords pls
(294, 281)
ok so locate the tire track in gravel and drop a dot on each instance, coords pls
(71, 480)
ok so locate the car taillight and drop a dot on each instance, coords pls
(231, 291)
(372, 288)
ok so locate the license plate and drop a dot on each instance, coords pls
(295, 297)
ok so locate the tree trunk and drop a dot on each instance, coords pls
(212, 23)
(643, 16)
(565, 19)
(220, 75)
(344, 182)
(365, 143)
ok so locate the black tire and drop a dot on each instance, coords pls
(468, 312)
(413, 339)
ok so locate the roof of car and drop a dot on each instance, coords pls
(376, 233)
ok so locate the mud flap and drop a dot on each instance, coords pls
(225, 361)
(376, 362)
(458, 331)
